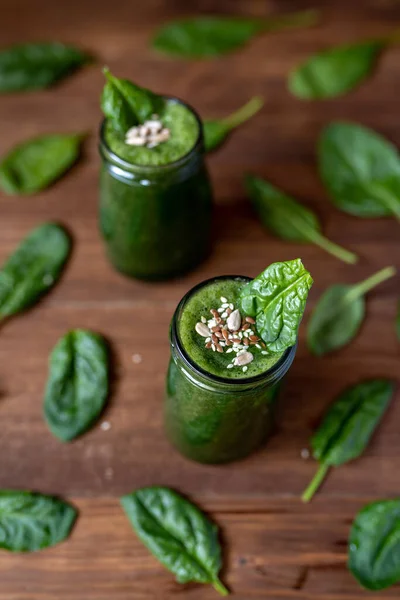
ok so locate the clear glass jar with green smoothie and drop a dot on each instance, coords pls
(233, 339)
(155, 193)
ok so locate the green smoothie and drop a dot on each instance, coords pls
(155, 194)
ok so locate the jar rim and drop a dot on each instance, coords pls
(274, 374)
(106, 151)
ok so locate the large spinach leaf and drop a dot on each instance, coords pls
(215, 131)
(204, 37)
(348, 426)
(339, 312)
(289, 219)
(30, 521)
(277, 299)
(178, 534)
(35, 164)
(374, 545)
(33, 269)
(77, 387)
(35, 66)
(125, 104)
(360, 169)
(335, 71)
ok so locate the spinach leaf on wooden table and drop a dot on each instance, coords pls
(374, 545)
(339, 313)
(35, 66)
(360, 169)
(210, 36)
(177, 533)
(276, 299)
(78, 383)
(348, 426)
(335, 71)
(289, 219)
(33, 268)
(125, 104)
(216, 130)
(31, 521)
(37, 163)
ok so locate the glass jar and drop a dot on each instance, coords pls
(213, 419)
(155, 220)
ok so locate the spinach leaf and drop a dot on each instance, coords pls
(37, 66)
(205, 37)
(339, 312)
(125, 104)
(33, 269)
(177, 533)
(348, 427)
(277, 299)
(77, 387)
(374, 556)
(360, 169)
(215, 131)
(31, 522)
(289, 219)
(335, 71)
(35, 164)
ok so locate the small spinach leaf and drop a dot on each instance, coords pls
(31, 522)
(33, 269)
(289, 219)
(35, 164)
(215, 131)
(335, 71)
(177, 533)
(205, 37)
(125, 104)
(77, 387)
(277, 299)
(360, 169)
(348, 426)
(374, 545)
(338, 314)
(36, 66)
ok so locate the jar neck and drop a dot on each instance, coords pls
(175, 171)
(213, 382)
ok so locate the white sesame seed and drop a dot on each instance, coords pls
(207, 340)
(244, 369)
(229, 350)
(264, 352)
(224, 315)
(250, 332)
(136, 358)
(105, 426)
(220, 310)
(231, 306)
(213, 347)
(224, 305)
(230, 366)
(203, 320)
(222, 344)
(223, 299)
(240, 334)
(258, 346)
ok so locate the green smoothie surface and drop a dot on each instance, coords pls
(221, 295)
(184, 132)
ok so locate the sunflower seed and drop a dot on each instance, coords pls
(202, 329)
(234, 320)
(244, 358)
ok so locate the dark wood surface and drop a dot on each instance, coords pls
(274, 546)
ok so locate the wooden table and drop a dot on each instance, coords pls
(274, 546)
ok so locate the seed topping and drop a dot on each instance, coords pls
(150, 134)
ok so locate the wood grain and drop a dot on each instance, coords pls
(275, 547)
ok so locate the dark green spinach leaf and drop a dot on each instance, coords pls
(125, 104)
(215, 131)
(77, 387)
(177, 533)
(374, 545)
(361, 170)
(348, 427)
(33, 269)
(35, 164)
(205, 37)
(31, 522)
(289, 219)
(335, 71)
(36, 66)
(339, 312)
(277, 299)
